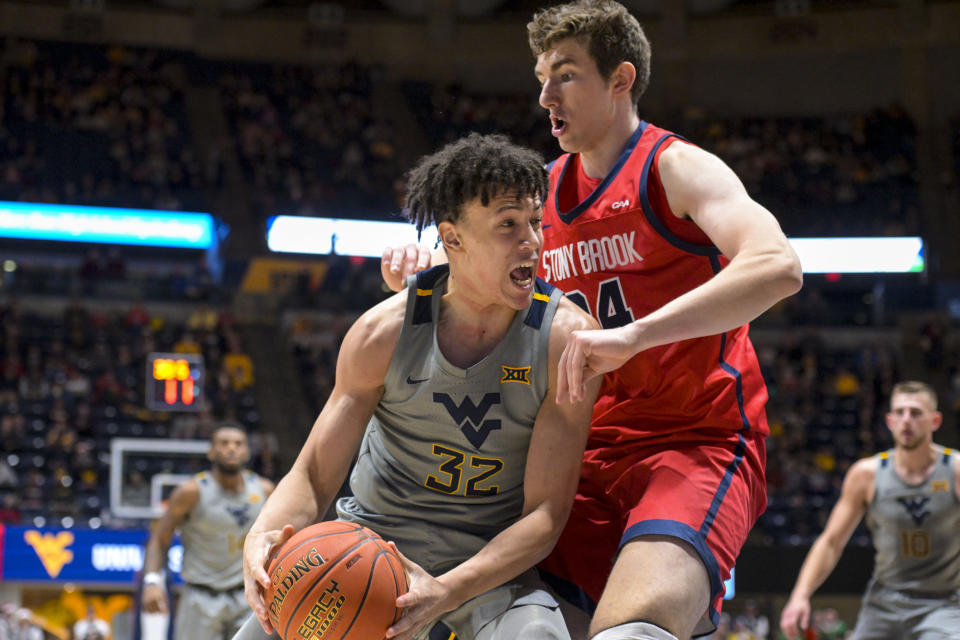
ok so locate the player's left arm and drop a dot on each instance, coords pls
(550, 481)
(763, 269)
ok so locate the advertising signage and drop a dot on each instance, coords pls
(107, 225)
(43, 554)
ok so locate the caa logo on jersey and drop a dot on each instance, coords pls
(620, 205)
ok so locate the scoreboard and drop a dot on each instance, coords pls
(174, 382)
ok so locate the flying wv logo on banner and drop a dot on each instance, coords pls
(470, 417)
(51, 549)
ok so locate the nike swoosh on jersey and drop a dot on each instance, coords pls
(410, 380)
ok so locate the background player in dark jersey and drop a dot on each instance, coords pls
(660, 241)
(213, 510)
(910, 497)
(449, 341)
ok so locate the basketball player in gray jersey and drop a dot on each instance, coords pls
(448, 392)
(911, 497)
(213, 510)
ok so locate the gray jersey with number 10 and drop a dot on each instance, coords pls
(916, 528)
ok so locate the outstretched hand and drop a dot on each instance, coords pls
(399, 262)
(795, 617)
(257, 549)
(589, 354)
(425, 600)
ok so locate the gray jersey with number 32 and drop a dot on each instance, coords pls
(441, 465)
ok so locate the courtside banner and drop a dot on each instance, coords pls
(323, 236)
(40, 554)
(368, 238)
(107, 225)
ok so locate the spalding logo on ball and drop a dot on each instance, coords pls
(334, 581)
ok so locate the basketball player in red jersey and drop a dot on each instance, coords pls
(660, 241)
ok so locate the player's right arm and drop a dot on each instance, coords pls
(825, 553)
(398, 263)
(182, 501)
(305, 493)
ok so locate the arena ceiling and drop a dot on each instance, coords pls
(416, 8)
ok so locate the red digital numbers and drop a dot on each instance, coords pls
(172, 381)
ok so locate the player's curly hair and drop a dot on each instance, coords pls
(476, 166)
(612, 35)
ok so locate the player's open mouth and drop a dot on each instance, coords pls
(559, 126)
(522, 276)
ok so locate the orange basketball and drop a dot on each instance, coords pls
(334, 581)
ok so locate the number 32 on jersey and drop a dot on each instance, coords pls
(611, 310)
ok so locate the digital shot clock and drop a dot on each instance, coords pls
(174, 382)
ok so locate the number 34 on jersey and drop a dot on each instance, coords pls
(596, 255)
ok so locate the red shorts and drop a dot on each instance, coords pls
(708, 493)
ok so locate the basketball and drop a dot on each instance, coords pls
(334, 580)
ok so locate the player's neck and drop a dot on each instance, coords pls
(469, 330)
(599, 158)
(914, 463)
(232, 482)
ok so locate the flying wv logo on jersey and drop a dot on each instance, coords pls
(916, 507)
(470, 417)
(239, 514)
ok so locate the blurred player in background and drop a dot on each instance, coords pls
(910, 496)
(466, 460)
(90, 626)
(660, 241)
(213, 510)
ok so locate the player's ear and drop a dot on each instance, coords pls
(449, 236)
(937, 420)
(622, 78)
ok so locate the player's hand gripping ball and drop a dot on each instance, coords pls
(334, 581)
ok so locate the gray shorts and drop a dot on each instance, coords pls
(887, 613)
(203, 614)
(523, 609)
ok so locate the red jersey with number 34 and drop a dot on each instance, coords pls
(616, 249)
